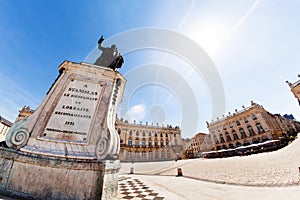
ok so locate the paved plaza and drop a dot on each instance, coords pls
(272, 175)
(278, 168)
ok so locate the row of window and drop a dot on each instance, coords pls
(137, 143)
(238, 123)
(155, 134)
(235, 135)
(238, 144)
(143, 156)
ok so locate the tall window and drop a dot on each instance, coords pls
(150, 155)
(259, 128)
(228, 138)
(128, 156)
(235, 136)
(242, 132)
(136, 142)
(143, 155)
(143, 142)
(129, 142)
(156, 155)
(254, 117)
(137, 133)
(161, 143)
(156, 143)
(149, 133)
(137, 155)
(238, 122)
(215, 139)
(161, 135)
(144, 134)
(221, 138)
(167, 142)
(246, 120)
(251, 131)
(130, 133)
(149, 142)
(162, 155)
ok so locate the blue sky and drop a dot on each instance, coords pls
(254, 45)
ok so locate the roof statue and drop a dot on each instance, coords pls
(110, 57)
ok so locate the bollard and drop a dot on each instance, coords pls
(131, 170)
(179, 172)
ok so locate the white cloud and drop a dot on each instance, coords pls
(137, 112)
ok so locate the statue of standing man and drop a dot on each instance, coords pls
(110, 57)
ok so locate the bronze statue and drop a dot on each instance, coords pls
(110, 57)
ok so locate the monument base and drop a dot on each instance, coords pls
(31, 176)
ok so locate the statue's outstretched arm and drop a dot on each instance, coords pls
(100, 42)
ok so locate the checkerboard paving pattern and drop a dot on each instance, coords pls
(131, 188)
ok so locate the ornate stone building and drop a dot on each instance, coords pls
(141, 142)
(295, 88)
(148, 142)
(198, 144)
(251, 125)
(4, 127)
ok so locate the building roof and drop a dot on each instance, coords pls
(5, 121)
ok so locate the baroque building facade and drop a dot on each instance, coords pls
(295, 88)
(144, 142)
(140, 142)
(251, 125)
(4, 127)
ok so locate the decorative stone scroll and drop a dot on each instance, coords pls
(76, 119)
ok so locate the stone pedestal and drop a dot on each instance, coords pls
(68, 149)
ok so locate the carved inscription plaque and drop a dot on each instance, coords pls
(73, 114)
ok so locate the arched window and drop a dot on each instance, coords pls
(228, 138)
(129, 142)
(137, 133)
(246, 120)
(130, 133)
(254, 117)
(251, 131)
(149, 133)
(161, 143)
(150, 157)
(235, 136)
(156, 143)
(215, 139)
(259, 128)
(156, 155)
(255, 141)
(221, 138)
(238, 123)
(166, 134)
(155, 135)
(119, 131)
(168, 154)
(143, 155)
(144, 134)
(242, 132)
(149, 143)
(238, 144)
(128, 156)
(231, 146)
(137, 155)
(143, 142)
(136, 142)
(224, 146)
(161, 135)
